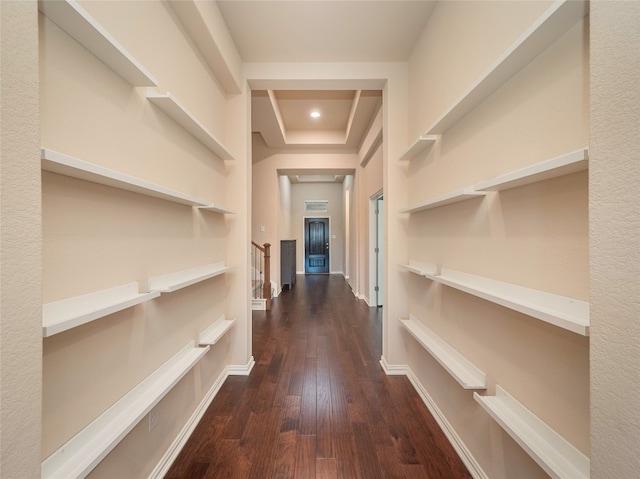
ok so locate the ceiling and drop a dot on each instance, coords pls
(308, 31)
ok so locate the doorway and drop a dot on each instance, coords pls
(316, 245)
(376, 242)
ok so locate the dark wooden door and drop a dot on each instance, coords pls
(316, 245)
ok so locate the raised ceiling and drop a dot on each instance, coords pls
(311, 31)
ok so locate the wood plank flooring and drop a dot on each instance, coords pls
(317, 403)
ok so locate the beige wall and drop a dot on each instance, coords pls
(96, 237)
(534, 236)
(614, 205)
(333, 193)
(20, 244)
(272, 201)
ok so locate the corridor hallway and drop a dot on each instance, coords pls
(317, 403)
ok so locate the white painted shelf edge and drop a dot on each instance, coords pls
(562, 311)
(462, 370)
(421, 144)
(78, 456)
(82, 27)
(545, 170)
(217, 330)
(217, 209)
(175, 110)
(427, 270)
(559, 458)
(555, 21)
(443, 200)
(69, 166)
(168, 283)
(59, 316)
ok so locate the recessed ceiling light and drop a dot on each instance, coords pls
(315, 114)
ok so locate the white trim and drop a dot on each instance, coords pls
(393, 369)
(183, 436)
(241, 370)
(463, 452)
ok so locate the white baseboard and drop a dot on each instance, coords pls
(167, 459)
(393, 369)
(365, 299)
(241, 370)
(465, 455)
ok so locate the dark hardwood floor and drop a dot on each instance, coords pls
(317, 403)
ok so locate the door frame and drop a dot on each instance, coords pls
(373, 237)
(304, 241)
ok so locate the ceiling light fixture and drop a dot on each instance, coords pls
(315, 114)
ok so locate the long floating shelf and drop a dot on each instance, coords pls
(427, 270)
(462, 370)
(421, 144)
(551, 25)
(69, 166)
(559, 458)
(59, 316)
(216, 209)
(82, 27)
(175, 110)
(215, 332)
(443, 200)
(83, 452)
(555, 167)
(171, 282)
(562, 311)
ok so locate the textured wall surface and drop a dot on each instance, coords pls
(20, 279)
(615, 238)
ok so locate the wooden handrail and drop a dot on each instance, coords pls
(261, 248)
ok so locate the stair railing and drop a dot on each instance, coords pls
(261, 272)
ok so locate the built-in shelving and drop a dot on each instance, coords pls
(69, 166)
(422, 269)
(175, 110)
(555, 167)
(559, 458)
(78, 456)
(216, 209)
(421, 144)
(555, 21)
(462, 370)
(217, 330)
(443, 200)
(59, 316)
(82, 27)
(171, 282)
(562, 311)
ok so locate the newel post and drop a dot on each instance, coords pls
(266, 287)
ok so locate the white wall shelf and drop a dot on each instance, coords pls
(82, 27)
(171, 282)
(462, 370)
(59, 316)
(78, 456)
(184, 118)
(69, 166)
(217, 330)
(216, 209)
(562, 311)
(550, 26)
(555, 167)
(427, 270)
(421, 144)
(443, 200)
(559, 458)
